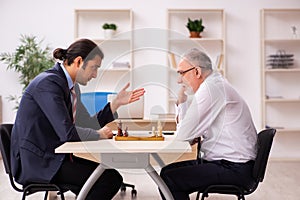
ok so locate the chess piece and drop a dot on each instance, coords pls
(159, 129)
(153, 134)
(120, 133)
(126, 132)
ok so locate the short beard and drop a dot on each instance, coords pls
(188, 90)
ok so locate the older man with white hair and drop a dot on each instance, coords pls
(221, 118)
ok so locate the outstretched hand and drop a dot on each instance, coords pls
(125, 97)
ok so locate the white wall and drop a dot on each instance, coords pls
(53, 21)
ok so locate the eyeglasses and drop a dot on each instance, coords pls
(185, 71)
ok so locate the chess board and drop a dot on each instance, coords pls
(139, 138)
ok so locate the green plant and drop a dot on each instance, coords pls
(109, 26)
(29, 59)
(195, 25)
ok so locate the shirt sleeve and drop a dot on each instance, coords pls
(87, 134)
(105, 115)
(97, 121)
(199, 115)
(181, 111)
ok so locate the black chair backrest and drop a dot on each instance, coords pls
(264, 144)
(5, 133)
(5, 138)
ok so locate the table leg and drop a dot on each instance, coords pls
(52, 195)
(158, 180)
(90, 182)
(158, 159)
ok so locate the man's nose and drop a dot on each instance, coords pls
(179, 79)
(95, 73)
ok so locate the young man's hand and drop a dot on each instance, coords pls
(105, 133)
(125, 97)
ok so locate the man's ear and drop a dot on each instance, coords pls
(78, 61)
(198, 72)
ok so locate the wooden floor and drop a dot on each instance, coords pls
(282, 182)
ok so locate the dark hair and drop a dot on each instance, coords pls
(85, 48)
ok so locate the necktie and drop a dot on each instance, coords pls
(74, 97)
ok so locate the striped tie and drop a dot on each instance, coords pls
(74, 98)
(74, 103)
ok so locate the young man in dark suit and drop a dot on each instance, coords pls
(45, 121)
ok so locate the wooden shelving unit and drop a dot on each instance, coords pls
(213, 41)
(280, 86)
(88, 24)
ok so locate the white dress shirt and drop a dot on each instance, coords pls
(223, 119)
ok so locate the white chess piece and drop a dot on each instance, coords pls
(153, 131)
(159, 129)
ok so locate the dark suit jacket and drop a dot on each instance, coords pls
(83, 118)
(44, 122)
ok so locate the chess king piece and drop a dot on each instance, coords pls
(159, 129)
(120, 133)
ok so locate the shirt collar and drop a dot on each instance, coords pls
(69, 79)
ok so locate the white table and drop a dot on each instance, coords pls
(126, 155)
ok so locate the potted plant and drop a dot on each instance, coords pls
(29, 59)
(109, 30)
(195, 27)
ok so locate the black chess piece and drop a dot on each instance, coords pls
(120, 132)
(126, 132)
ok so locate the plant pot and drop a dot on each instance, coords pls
(194, 34)
(109, 33)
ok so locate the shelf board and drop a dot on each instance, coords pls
(288, 130)
(172, 99)
(196, 39)
(147, 120)
(282, 100)
(280, 10)
(99, 40)
(102, 10)
(179, 11)
(282, 70)
(116, 69)
(283, 40)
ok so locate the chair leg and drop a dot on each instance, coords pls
(204, 195)
(24, 195)
(46, 195)
(62, 196)
(198, 195)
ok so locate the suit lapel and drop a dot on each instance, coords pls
(67, 94)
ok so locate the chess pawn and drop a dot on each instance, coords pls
(120, 133)
(153, 134)
(126, 132)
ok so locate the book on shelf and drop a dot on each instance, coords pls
(163, 115)
(121, 65)
(274, 97)
(172, 60)
(219, 63)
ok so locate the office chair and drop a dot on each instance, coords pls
(133, 191)
(264, 143)
(5, 137)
